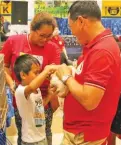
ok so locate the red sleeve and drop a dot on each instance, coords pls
(7, 51)
(99, 69)
(54, 54)
(59, 41)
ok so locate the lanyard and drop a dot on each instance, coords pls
(29, 43)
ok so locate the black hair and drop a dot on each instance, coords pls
(43, 18)
(85, 9)
(23, 64)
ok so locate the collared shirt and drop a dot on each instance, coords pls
(99, 66)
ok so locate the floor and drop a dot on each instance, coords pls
(56, 129)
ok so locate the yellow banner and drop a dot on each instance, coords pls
(111, 8)
(5, 8)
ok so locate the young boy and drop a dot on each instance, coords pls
(29, 100)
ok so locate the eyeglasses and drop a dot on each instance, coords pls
(43, 35)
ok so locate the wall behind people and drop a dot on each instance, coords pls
(113, 23)
(34, 5)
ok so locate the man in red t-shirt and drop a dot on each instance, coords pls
(91, 103)
(37, 44)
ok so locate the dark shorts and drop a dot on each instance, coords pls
(116, 124)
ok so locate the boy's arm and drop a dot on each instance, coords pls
(53, 100)
(50, 96)
(38, 81)
(46, 100)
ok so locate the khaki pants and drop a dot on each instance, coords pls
(72, 139)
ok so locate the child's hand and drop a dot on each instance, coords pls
(52, 90)
(51, 68)
(51, 94)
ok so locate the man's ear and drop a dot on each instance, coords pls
(22, 75)
(80, 22)
(80, 19)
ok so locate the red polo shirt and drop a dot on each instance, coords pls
(100, 67)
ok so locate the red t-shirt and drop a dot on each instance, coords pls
(99, 66)
(18, 44)
(58, 40)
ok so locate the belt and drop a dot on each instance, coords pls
(26, 143)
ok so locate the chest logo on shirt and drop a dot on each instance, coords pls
(39, 58)
(79, 68)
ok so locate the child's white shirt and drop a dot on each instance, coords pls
(31, 111)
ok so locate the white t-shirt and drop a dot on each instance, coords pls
(31, 111)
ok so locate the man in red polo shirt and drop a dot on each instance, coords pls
(91, 103)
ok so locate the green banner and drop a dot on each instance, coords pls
(56, 8)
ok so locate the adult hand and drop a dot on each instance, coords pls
(63, 70)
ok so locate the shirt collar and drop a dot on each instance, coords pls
(104, 34)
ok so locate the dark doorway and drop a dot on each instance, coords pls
(19, 12)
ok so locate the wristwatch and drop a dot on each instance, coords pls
(65, 78)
